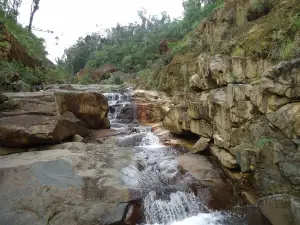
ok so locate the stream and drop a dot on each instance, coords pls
(167, 196)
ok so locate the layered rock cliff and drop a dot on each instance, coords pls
(238, 89)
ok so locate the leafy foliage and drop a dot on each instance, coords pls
(134, 47)
(34, 45)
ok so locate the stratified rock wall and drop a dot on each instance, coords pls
(238, 97)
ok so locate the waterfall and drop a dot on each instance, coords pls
(166, 199)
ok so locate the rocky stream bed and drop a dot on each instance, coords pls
(79, 157)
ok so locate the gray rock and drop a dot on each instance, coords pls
(79, 185)
(245, 156)
(201, 145)
(131, 140)
(226, 158)
(199, 167)
(77, 138)
(292, 171)
(281, 209)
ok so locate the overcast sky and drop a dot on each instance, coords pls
(70, 19)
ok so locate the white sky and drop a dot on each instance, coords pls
(70, 19)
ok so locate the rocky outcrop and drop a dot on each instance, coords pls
(253, 123)
(92, 108)
(151, 106)
(28, 130)
(98, 74)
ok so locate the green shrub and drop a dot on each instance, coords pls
(117, 80)
(295, 22)
(33, 45)
(287, 49)
(86, 79)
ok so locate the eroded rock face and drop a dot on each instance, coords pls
(27, 130)
(151, 106)
(92, 108)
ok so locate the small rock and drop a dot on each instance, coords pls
(201, 145)
(224, 157)
(77, 138)
(99, 141)
(134, 214)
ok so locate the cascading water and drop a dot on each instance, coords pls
(116, 102)
(166, 198)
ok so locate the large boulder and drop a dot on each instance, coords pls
(281, 209)
(74, 183)
(287, 119)
(92, 108)
(27, 130)
(199, 167)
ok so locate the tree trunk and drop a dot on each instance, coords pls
(34, 8)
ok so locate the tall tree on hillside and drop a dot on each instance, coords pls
(34, 8)
(11, 8)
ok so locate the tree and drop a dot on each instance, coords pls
(133, 47)
(11, 7)
(34, 8)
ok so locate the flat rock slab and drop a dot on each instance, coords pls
(28, 130)
(74, 183)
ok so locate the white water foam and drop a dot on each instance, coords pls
(150, 140)
(214, 218)
(178, 206)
